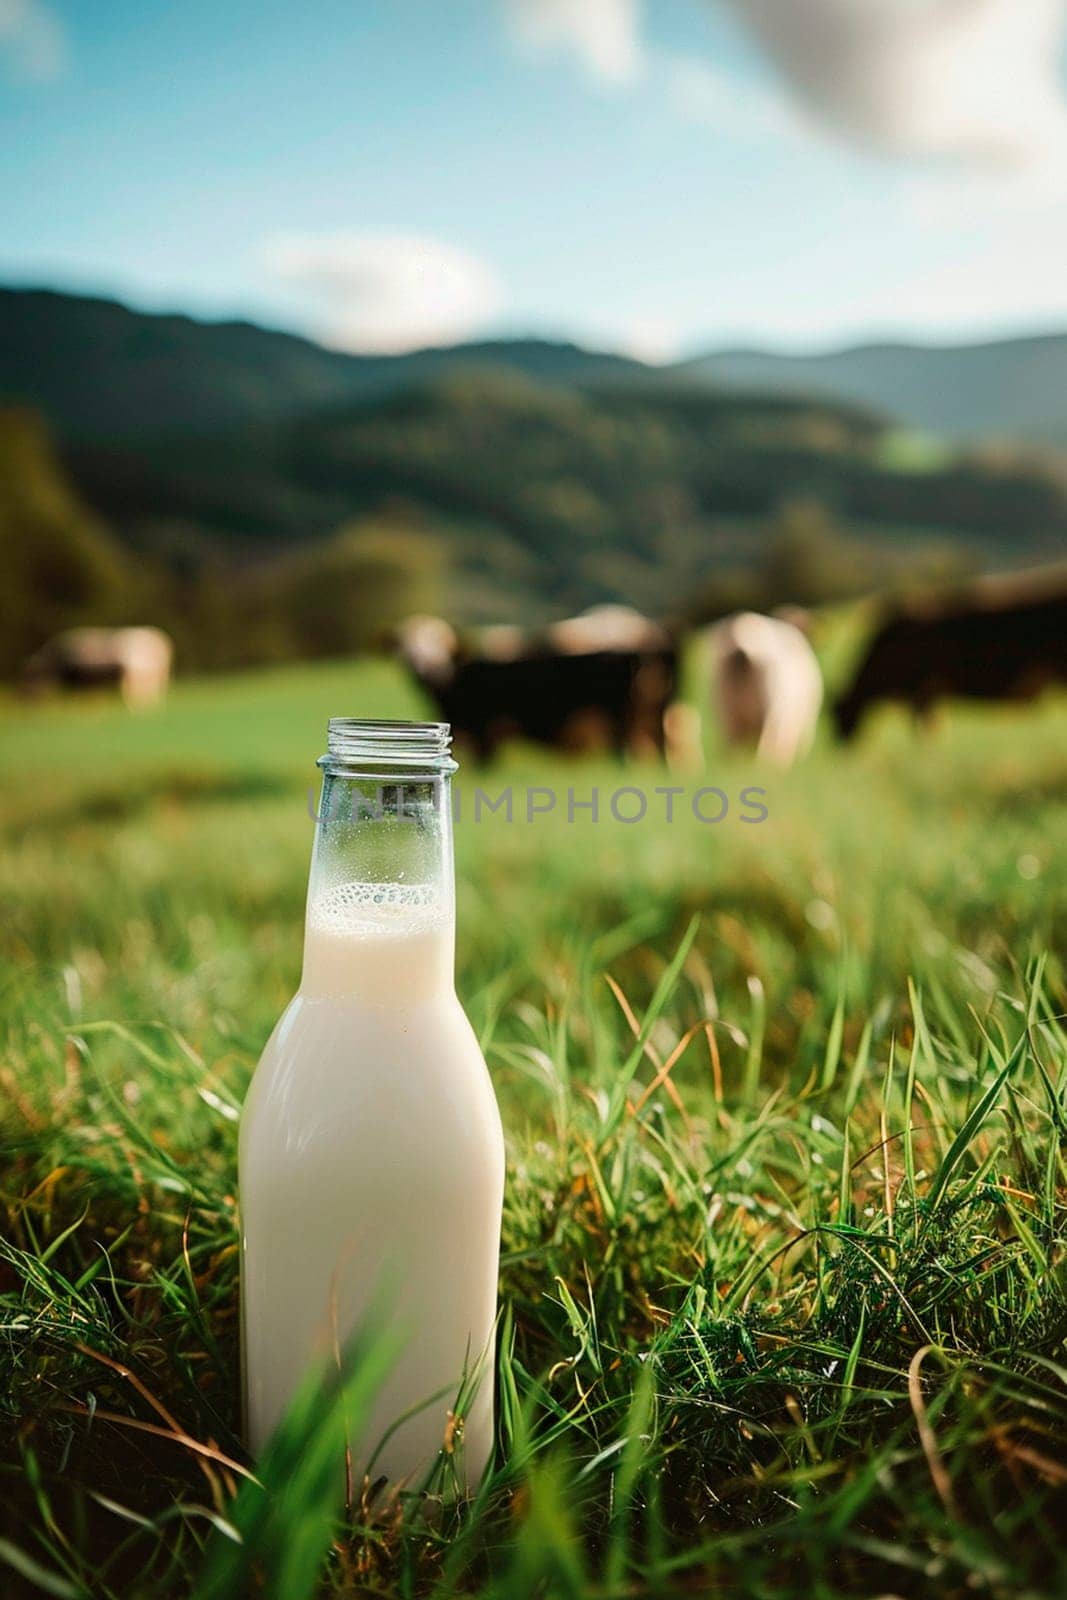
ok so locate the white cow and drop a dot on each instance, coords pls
(607, 628)
(766, 685)
(430, 646)
(137, 660)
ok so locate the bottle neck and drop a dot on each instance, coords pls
(381, 897)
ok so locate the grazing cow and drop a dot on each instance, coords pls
(136, 660)
(1002, 639)
(505, 641)
(603, 698)
(767, 686)
(615, 628)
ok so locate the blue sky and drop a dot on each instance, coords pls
(662, 177)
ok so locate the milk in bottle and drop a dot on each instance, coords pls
(371, 1153)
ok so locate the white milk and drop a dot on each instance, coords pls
(372, 1160)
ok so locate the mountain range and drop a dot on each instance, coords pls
(98, 369)
(1008, 388)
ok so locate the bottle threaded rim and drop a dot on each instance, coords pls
(350, 740)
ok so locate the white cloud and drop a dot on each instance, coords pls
(605, 35)
(33, 45)
(974, 79)
(384, 292)
(655, 339)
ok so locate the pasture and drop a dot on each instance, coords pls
(783, 1295)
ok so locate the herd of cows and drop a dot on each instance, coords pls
(610, 678)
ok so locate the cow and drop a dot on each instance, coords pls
(137, 661)
(608, 627)
(1000, 639)
(599, 698)
(766, 685)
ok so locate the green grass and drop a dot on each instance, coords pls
(910, 451)
(783, 1289)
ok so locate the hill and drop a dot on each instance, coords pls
(99, 370)
(1014, 388)
(555, 498)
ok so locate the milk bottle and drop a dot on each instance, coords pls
(371, 1152)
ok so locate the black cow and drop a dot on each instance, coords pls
(1005, 640)
(613, 699)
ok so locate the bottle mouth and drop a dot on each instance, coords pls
(352, 741)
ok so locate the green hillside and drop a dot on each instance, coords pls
(557, 498)
(99, 370)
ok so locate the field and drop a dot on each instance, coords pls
(783, 1286)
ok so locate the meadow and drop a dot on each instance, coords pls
(783, 1294)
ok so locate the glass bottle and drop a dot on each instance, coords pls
(371, 1151)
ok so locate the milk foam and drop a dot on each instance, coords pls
(382, 941)
(381, 910)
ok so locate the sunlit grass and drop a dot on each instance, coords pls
(782, 1289)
